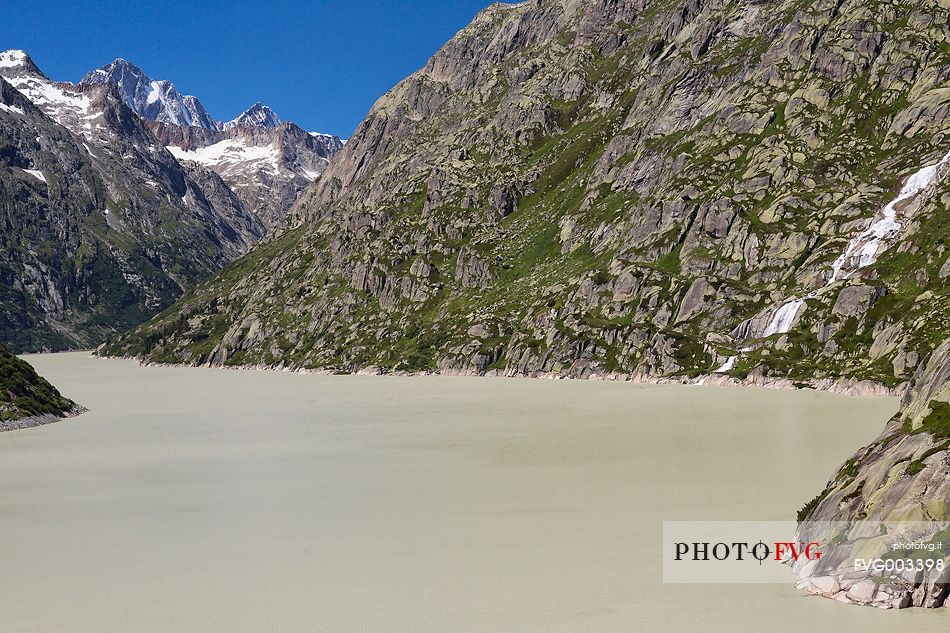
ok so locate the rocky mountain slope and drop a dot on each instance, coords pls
(26, 399)
(102, 227)
(265, 162)
(902, 482)
(639, 188)
(619, 188)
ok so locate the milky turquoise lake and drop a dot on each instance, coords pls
(229, 501)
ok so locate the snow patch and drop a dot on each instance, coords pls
(45, 93)
(36, 173)
(12, 58)
(329, 138)
(230, 152)
(309, 174)
(155, 94)
(71, 109)
(9, 108)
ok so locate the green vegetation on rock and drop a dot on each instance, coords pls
(602, 190)
(23, 393)
(937, 422)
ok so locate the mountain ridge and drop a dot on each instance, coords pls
(159, 101)
(102, 226)
(151, 99)
(630, 188)
(267, 162)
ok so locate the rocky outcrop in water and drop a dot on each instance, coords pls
(26, 399)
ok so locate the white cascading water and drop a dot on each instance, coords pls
(863, 250)
(783, 318)
(727, 366)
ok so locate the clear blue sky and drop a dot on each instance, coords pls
(321, 64)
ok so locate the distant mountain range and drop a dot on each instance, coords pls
(118, 194)
(160, 101)
(267, 162)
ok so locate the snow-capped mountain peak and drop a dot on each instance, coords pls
(68, 105)
(264, 162)
(17, 62)
(13, 57)
(258, 115)
(151, 99)
(334, 142)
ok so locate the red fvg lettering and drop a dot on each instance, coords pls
(797, 550)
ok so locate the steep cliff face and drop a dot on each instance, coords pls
(102, 227)
(619, 187)
(26, 399)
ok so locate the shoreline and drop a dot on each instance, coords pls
(40, 420)
(841, 386)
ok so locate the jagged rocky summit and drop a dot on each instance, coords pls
(267, 163)
(152, 100)
(102, 226)
(742, 191)
(119, 193)
(258, 115)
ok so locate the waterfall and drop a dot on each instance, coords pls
(727, 366)
(783, 318)
(863, 250)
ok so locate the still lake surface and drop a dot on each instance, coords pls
(206, 500)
